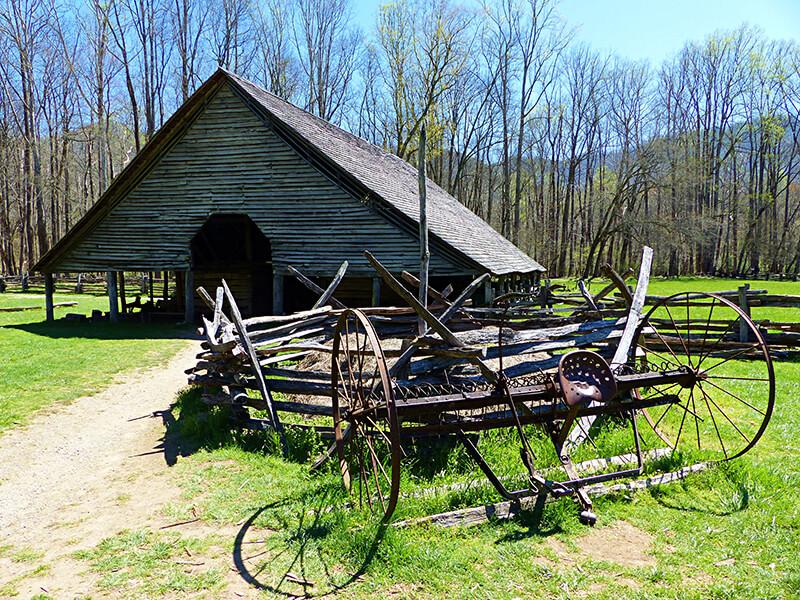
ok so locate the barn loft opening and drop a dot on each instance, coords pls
(231, 246)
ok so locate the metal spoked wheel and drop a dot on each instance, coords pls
(365, 420)
(726, 410)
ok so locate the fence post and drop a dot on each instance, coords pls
(188, 282)
(744, 330)
(544, 292)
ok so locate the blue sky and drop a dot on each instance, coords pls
(655, 29)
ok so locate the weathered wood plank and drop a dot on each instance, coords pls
(265, 393)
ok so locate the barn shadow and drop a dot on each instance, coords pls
(105, 330)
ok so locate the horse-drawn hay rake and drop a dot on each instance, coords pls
(689, 387)
(692, 378)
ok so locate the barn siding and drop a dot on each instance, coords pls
(230, 162)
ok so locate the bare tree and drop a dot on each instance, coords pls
(328, 46)
(279, 67)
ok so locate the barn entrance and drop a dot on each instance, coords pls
(234, 248)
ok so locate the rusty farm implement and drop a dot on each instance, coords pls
(586, 402)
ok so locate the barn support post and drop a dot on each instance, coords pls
(122, 298)
(488, 295)
(376, 291)
(48, 296)
(113, 302)
(277, 294)
(150, 282)
(188, 285)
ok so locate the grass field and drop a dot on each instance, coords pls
(42, 364)
(730, 532)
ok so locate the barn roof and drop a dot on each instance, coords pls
(389, 181)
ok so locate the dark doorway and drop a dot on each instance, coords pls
(234, 248)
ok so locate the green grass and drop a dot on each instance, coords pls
(144, 564)
(49, 363)
(731, 532)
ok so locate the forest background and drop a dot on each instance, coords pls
(577, 156)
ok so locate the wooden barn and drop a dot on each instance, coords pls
(241, 184)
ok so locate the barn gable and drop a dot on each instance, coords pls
(229, 162)
(241, 184)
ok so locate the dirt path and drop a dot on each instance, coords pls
(83, 472)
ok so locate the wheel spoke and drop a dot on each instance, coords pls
(733, 357)
(688, 345)
(734, 396)
(717, 343)
(660, 391)
(714, 421)
(671, 351)
(379, 430)
(664, 414)
(727, 418)
(678, 333)
(680, 429)
(737, 378)
(701, 356)
(376, 461)
(696, 421)
(666, 359)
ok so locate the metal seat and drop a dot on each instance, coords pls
(585, 377)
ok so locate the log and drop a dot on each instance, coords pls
(423, 312)
(511, 509)
(432, 292)
(262, 386)
(328, 294)
(318, 290)
(303, 408)
(273, 320)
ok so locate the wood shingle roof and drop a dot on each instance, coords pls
(395, 182)
(368, 173)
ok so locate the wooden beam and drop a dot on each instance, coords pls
(188, 285)
(122, 299)
(432, 292)
(618, 282)
(277, 294)
(376, 291)
(318, 290)
(434, 323)
(327, 295)
(262, 384)
(48, 296)
(113, 302)
(424, 250)
(744, 329)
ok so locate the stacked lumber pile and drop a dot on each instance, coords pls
(291, 354)
(521, 335)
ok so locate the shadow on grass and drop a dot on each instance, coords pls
(721, 491)
(302, 543)
(105, 330)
